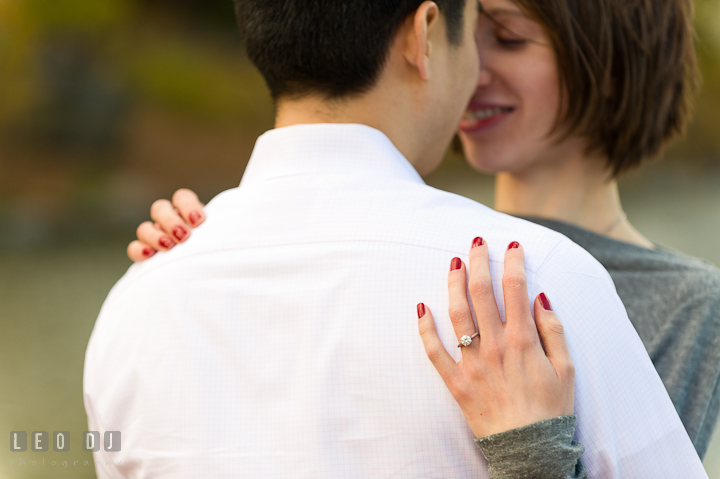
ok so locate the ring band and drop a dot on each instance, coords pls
(467, 340)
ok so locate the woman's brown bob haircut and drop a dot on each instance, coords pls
(629, 69)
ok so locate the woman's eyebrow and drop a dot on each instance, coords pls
(492, 15)
(505, 11)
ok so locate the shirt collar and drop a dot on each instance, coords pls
(337, 148)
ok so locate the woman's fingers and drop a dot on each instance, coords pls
(151, 235)
(482, 293)
(459, 310)
(436, 352)
(552, 333)
(138, 251)
(517, 307)
(554, 342)
(189, 206)
(167, 218)
(173, 222)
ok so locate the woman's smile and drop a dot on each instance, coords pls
(481, 116)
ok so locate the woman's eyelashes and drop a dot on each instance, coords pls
(510, 42)
(503, 36)
(503, 39)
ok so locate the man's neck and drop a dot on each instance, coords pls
(307, 111)
(375, 109)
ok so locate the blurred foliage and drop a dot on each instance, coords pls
(69, 66)
(106, 103)
(211, 13)
(703, 136)
(77, 15)
(16, 47)
(199, 80)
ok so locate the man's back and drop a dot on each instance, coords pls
(281, 341)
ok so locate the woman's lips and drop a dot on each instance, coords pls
(480, 117)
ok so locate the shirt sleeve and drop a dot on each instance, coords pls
(544, 449)
(625, 418)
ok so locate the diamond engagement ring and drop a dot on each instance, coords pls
(467, 340)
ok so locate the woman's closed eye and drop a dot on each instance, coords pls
(510, 41)
(505, 39)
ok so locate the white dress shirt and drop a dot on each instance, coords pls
(281, 340)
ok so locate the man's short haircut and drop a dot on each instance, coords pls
(629, 70)
(334, 48)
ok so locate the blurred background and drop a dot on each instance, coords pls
(107, 105)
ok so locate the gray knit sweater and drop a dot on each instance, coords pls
(543, 450)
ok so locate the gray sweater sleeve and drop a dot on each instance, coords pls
(543, 450)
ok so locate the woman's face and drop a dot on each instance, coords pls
(515, 106)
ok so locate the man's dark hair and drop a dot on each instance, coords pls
(335, 48)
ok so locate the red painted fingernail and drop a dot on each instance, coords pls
(166, 242)
(421, 310)
(180, 233)
(545, 302)
(478, 242)
(513, 245)
(147, 252)
(195, 218)
(455, 264)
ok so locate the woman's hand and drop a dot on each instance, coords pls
(505, 379)
(172, 225)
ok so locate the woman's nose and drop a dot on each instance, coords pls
(485, 76)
